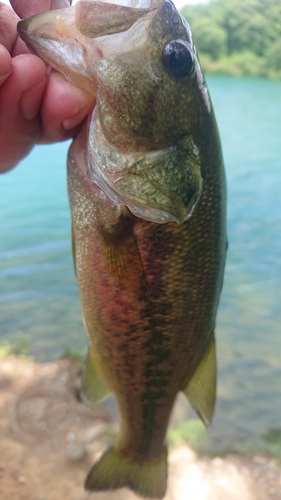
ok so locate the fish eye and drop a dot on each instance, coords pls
(177, 58)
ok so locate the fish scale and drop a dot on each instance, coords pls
(147, 196)
(152, 326)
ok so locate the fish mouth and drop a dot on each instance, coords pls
(55, 38)
(73, 38)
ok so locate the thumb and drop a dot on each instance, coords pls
(27, 8)
(5, 64)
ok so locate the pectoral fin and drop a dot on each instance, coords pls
(122, 257)
(201, 389)
(93, 388)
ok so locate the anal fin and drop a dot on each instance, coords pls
(201, 388)
(93, 388)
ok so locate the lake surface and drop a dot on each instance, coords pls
(38, 291)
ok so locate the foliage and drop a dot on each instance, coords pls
(77, 354)
(20, 347)
(190, 431)
(273, 442)
(211, 39)
(242, 35)
(269, 443)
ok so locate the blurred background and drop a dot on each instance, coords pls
(239, 43)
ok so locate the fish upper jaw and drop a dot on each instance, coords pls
(54, 37)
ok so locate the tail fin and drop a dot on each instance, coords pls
(147, 479)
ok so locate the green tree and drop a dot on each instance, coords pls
(273, 58)
(210, 38)
(246, 33)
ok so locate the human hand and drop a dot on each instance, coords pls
(34, 107)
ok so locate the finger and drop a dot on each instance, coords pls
(60, 4)
(64, 108)
(8, 30)
(20, 100)
(5, 64)
(26, 8)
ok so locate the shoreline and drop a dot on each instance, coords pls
(49, 440)
(235, 68)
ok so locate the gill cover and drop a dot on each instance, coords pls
(138, 59)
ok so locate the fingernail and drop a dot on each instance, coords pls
(5, 64)
(31, 100)
(70, 123)
(60, 4)
(4, 77)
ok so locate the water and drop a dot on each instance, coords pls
(38, 292)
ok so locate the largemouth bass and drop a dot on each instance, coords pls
(147, 195)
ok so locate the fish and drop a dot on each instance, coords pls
(147, 194)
